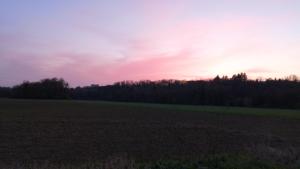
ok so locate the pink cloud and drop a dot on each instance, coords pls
(157, 67)
(189, 49)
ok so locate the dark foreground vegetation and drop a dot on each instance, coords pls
(37, 134)
(123, 162)
(221, 91)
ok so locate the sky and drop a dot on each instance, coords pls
(105, 41)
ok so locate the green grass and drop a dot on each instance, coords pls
(212, 162)
(292, 113)
(289, 113)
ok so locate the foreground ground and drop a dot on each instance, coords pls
(80, 132)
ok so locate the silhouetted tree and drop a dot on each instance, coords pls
(217, 78)
(234, 91)
(5, 92)
(240, 77)
(45, 89)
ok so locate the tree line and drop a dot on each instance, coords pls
(45, 89)
(237, 90)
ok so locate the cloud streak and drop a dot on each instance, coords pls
(97, 42)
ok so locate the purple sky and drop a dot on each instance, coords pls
(104, 41)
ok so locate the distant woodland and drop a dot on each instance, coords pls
(237, 90)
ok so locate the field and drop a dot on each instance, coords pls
(76, 132)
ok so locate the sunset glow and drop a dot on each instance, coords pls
(101, 42)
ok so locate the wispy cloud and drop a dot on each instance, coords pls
(103, 42)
